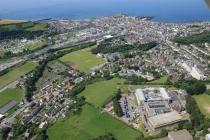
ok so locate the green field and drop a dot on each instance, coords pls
(16, 72)
(10, 94)
(97, 93)
(37, 27)
(89, 124)
(203, 102)
(27, 26)
(83, 59)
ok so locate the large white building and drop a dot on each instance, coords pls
(151, 94)
(193, 70)
(197, 74)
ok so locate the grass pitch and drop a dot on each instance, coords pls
(10, 94)
(203, 102)
(16, 72)
(83, 59)
(89, 124)
(97, 93)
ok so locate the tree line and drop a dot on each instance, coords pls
(123, 48)
(194, 39)
(193, 87)
(116, 104)
(198, 122)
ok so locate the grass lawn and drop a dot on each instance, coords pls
(161, 80)
(89, 124)
(97, 93)
(16, 72)
(83, 59)
(10, 94)
(203, 102)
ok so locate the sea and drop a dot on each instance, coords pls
(171, 11)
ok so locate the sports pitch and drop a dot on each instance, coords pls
(83, 60)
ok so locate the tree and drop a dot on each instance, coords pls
(197, 118)
(4, 132)
(18, 128)
(193, 87)
(43, 135)
(77, 89)
(117, 108)
(135, 80)
(8, 54)
(76, 107)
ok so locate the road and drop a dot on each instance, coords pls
(11, 85)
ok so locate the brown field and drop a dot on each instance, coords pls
(10, 21)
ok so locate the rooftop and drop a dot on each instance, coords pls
(180, 135)
(165, 119)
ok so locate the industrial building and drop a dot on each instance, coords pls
(165, 119)
(151, 94)
(159, 107)
(178, 135)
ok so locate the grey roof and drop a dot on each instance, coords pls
(180, 135)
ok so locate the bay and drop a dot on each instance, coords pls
(161, 10)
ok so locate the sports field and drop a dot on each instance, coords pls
(83, 59)
(10, 94)
(98, 92)
(203, 102)
(89, 124)
(16, 72)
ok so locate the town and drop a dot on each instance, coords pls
(143, 77)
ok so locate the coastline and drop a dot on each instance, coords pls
(151, 18)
